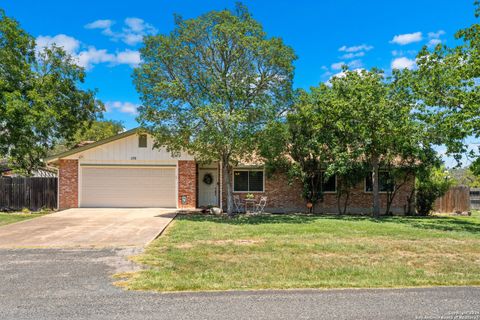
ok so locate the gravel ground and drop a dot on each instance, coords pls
(77, 284)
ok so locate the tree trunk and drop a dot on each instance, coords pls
(339, 196)
(396, 188)
(345, 205)
(390, 197)
(345, 192)
(339, 203)
(375, 189)
(227, 174)
(410, 201)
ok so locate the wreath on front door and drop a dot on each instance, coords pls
(207, 178)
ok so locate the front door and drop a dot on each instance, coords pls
(207, 187)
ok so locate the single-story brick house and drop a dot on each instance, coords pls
(126, 171)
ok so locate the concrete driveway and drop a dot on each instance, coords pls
(88, 228)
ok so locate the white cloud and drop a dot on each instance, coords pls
(435, 38)
(354, 64)
(122, 106)
(69, 44)
(132, 39)
(129, 57)
(100, 24)
(352, 55)
(326, 72)
(337, 65)
(132, 33)
(403, 39)
(362, 47)
(351, 64)
(434, 42)
(403, 63)
(398, 53)
(94, 56)
(342, 74)
(436, 35)
(91, 56)
(139, 25)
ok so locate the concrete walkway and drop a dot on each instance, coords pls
(88, 228)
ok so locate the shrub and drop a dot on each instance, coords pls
(430, 186)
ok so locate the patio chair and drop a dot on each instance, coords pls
(260, 206)
(239, 205)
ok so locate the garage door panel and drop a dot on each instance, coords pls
(128, 187)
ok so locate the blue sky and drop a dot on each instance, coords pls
(105, 35)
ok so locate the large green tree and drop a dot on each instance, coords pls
(40, 101)
(448, 92)
(210, 86)
(97, 130)
(376, 116)
(355, 125)
(312, 147)
(466, 177)
(90, 131)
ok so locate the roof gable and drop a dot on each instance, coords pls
(123, 147)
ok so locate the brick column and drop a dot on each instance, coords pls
(68, 184)
(187, 184)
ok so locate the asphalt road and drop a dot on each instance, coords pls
(76, 284)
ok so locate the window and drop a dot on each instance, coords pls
(248, 180)
(385, 182)
(330, 184)
(142, 141)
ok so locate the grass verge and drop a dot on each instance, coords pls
(298, 251)
(7, 218)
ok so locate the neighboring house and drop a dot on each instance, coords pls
(126, 171)
(6, 171)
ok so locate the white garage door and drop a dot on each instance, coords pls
(128, 187)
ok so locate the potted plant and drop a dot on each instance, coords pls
(309, 207)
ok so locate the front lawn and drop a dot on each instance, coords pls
(295, 251)
(7, 218)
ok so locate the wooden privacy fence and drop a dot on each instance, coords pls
(475, 198)
(17, 193)
(457, 199)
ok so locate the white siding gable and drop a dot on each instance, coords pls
(127, 151)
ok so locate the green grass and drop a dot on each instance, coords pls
(7, 218)
(297, 251)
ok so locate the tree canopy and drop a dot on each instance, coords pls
(466, 177)
(97, 130)
(90, 131)
(447, 90)
(210, 86)
(40, 101)
(358, 123)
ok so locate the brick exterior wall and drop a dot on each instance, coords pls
(68, 184)
(187, 183)
(283, 198)
(361, 201)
